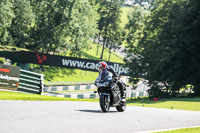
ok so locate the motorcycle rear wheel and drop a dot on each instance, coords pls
(104, 103)
(121, 107)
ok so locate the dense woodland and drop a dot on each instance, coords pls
(162, 40)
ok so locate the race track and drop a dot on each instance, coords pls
(87, 117)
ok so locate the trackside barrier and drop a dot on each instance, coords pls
(94, 95)
(30, 82)
(68, 88)
(78, 86)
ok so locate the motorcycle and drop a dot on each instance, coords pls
(109, 94)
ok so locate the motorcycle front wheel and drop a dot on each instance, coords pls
(121, 107)
(104, 103)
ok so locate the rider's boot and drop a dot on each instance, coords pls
(123, 98)
(122, 91)
(123, 95)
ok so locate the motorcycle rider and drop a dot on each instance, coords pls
(104, 70)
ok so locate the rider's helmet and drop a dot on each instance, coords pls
(102, 65)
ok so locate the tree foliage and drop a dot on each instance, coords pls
(64, 25)
(21, 24)
(48, 25)
(166, 53)
(108, 24)
(6, 16)
(82, 27)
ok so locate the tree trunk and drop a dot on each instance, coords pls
(109, 55)
(104, 42)
(103, 49)
(110, 51)
(98, 44)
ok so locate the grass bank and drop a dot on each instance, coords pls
(124, 16)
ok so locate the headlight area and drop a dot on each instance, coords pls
(104, 84)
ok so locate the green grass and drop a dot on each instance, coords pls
(7, 95)
(183, 130)
(174, 103)
(95, 52)
(124, 19)
(62, 75)
(124, 16)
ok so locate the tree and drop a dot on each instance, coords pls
(134, 34)
(183, 43)
(166, 53)
(82, 26)
(21, 24)
(115, 40)
(50, 24)
(109, 12)
(6, 16)
(66, 24)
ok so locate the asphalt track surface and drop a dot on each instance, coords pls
(87, 117)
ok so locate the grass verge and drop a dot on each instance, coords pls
(192, 104)
(7, 95)
(183, 130)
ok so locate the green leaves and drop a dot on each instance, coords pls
(6, 16)
(21, 24)
(108, 24)
(82, 26)
(166, 47)
(48, 25)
